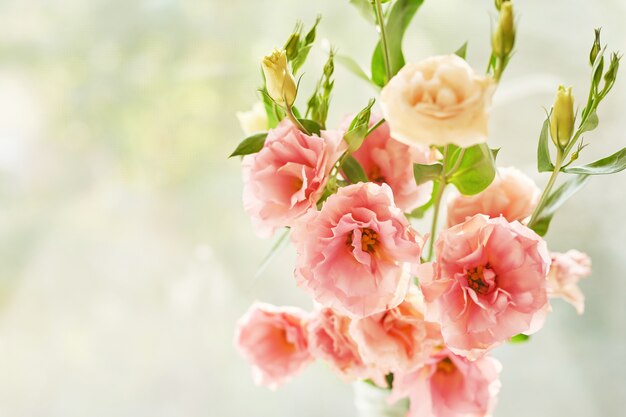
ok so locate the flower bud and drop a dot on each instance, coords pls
(280, 83)
(611, 73)
(499, 3)
(562, 118)
(595, 48)
(291, 46)
(503, 38)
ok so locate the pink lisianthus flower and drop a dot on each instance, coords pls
(487, 284)
(449, 385)
(512, 195)
(385, 160)
(330, 340)
(355, 254)
(274, 341)
(567, 269)
(288, 176)
(397, 340)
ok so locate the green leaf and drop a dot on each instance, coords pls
(520, 338)
(544, 162)
(462, 51)
(609, 165)
(357, 131)
(424, 173)
(398, 20)
(304, 47)
(249, 145)
(555, 201)
(353, 170)
(352, 66)
(476, 169)
(365, 9)
(273, 112)
(591, 122)
(419, 212)
(319, 103)
(312, 126)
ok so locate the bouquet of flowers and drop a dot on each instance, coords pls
(412, 315)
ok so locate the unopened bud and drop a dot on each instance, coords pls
(280, 83)
(595, 48)
(499, 3)
(611, 73)
(562, 118)
(503, 38)
(291, 46)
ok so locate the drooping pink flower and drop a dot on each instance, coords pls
(274, 341)
(397, 340)
(330, 340)
(567, 269)
(450, 386)
(355, 254)
(288, 176)
(487, 284)
(512, 194)
(385, 160)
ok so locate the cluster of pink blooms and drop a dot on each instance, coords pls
(379, 308)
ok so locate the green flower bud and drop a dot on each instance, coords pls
(503, 39)
(595, 48)
(562, 118)
(611, 73)
(279, 81)
(499, 3)
(291, 46)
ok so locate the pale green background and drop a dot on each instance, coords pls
(125, 256)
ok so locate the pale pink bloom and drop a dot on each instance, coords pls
(274, 341)
(355, 254)
(288, 176)
(330, 340)
(487, 284)
(512, 195)
(567, 269)
(397, 340)
(450, 386)
(384, 159)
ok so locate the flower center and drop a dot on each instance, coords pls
(369, 239)
(480, 279)
(446, 365)
(376, 176)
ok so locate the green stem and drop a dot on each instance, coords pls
(436, 205)
(295, 120)
(383, 37)
(546, 191)
(373, 128)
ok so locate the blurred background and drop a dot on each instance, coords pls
(125, 255)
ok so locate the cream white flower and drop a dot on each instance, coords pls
(280, 83)
(438, 101)
(253, 120)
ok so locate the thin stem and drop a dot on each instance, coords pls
(546, 192)
(373, 128)
(383, 37)
(436, 205)
(295, 120)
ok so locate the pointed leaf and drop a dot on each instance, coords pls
(249, 145)
(462, 51)
(520, 338)
(555, 201)
(475, 171)
(544, 163)
(398, 20)
(312, 126)
(353, 170)
(352, 66)
(591, 122)
(424, 173)
(609, 165)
